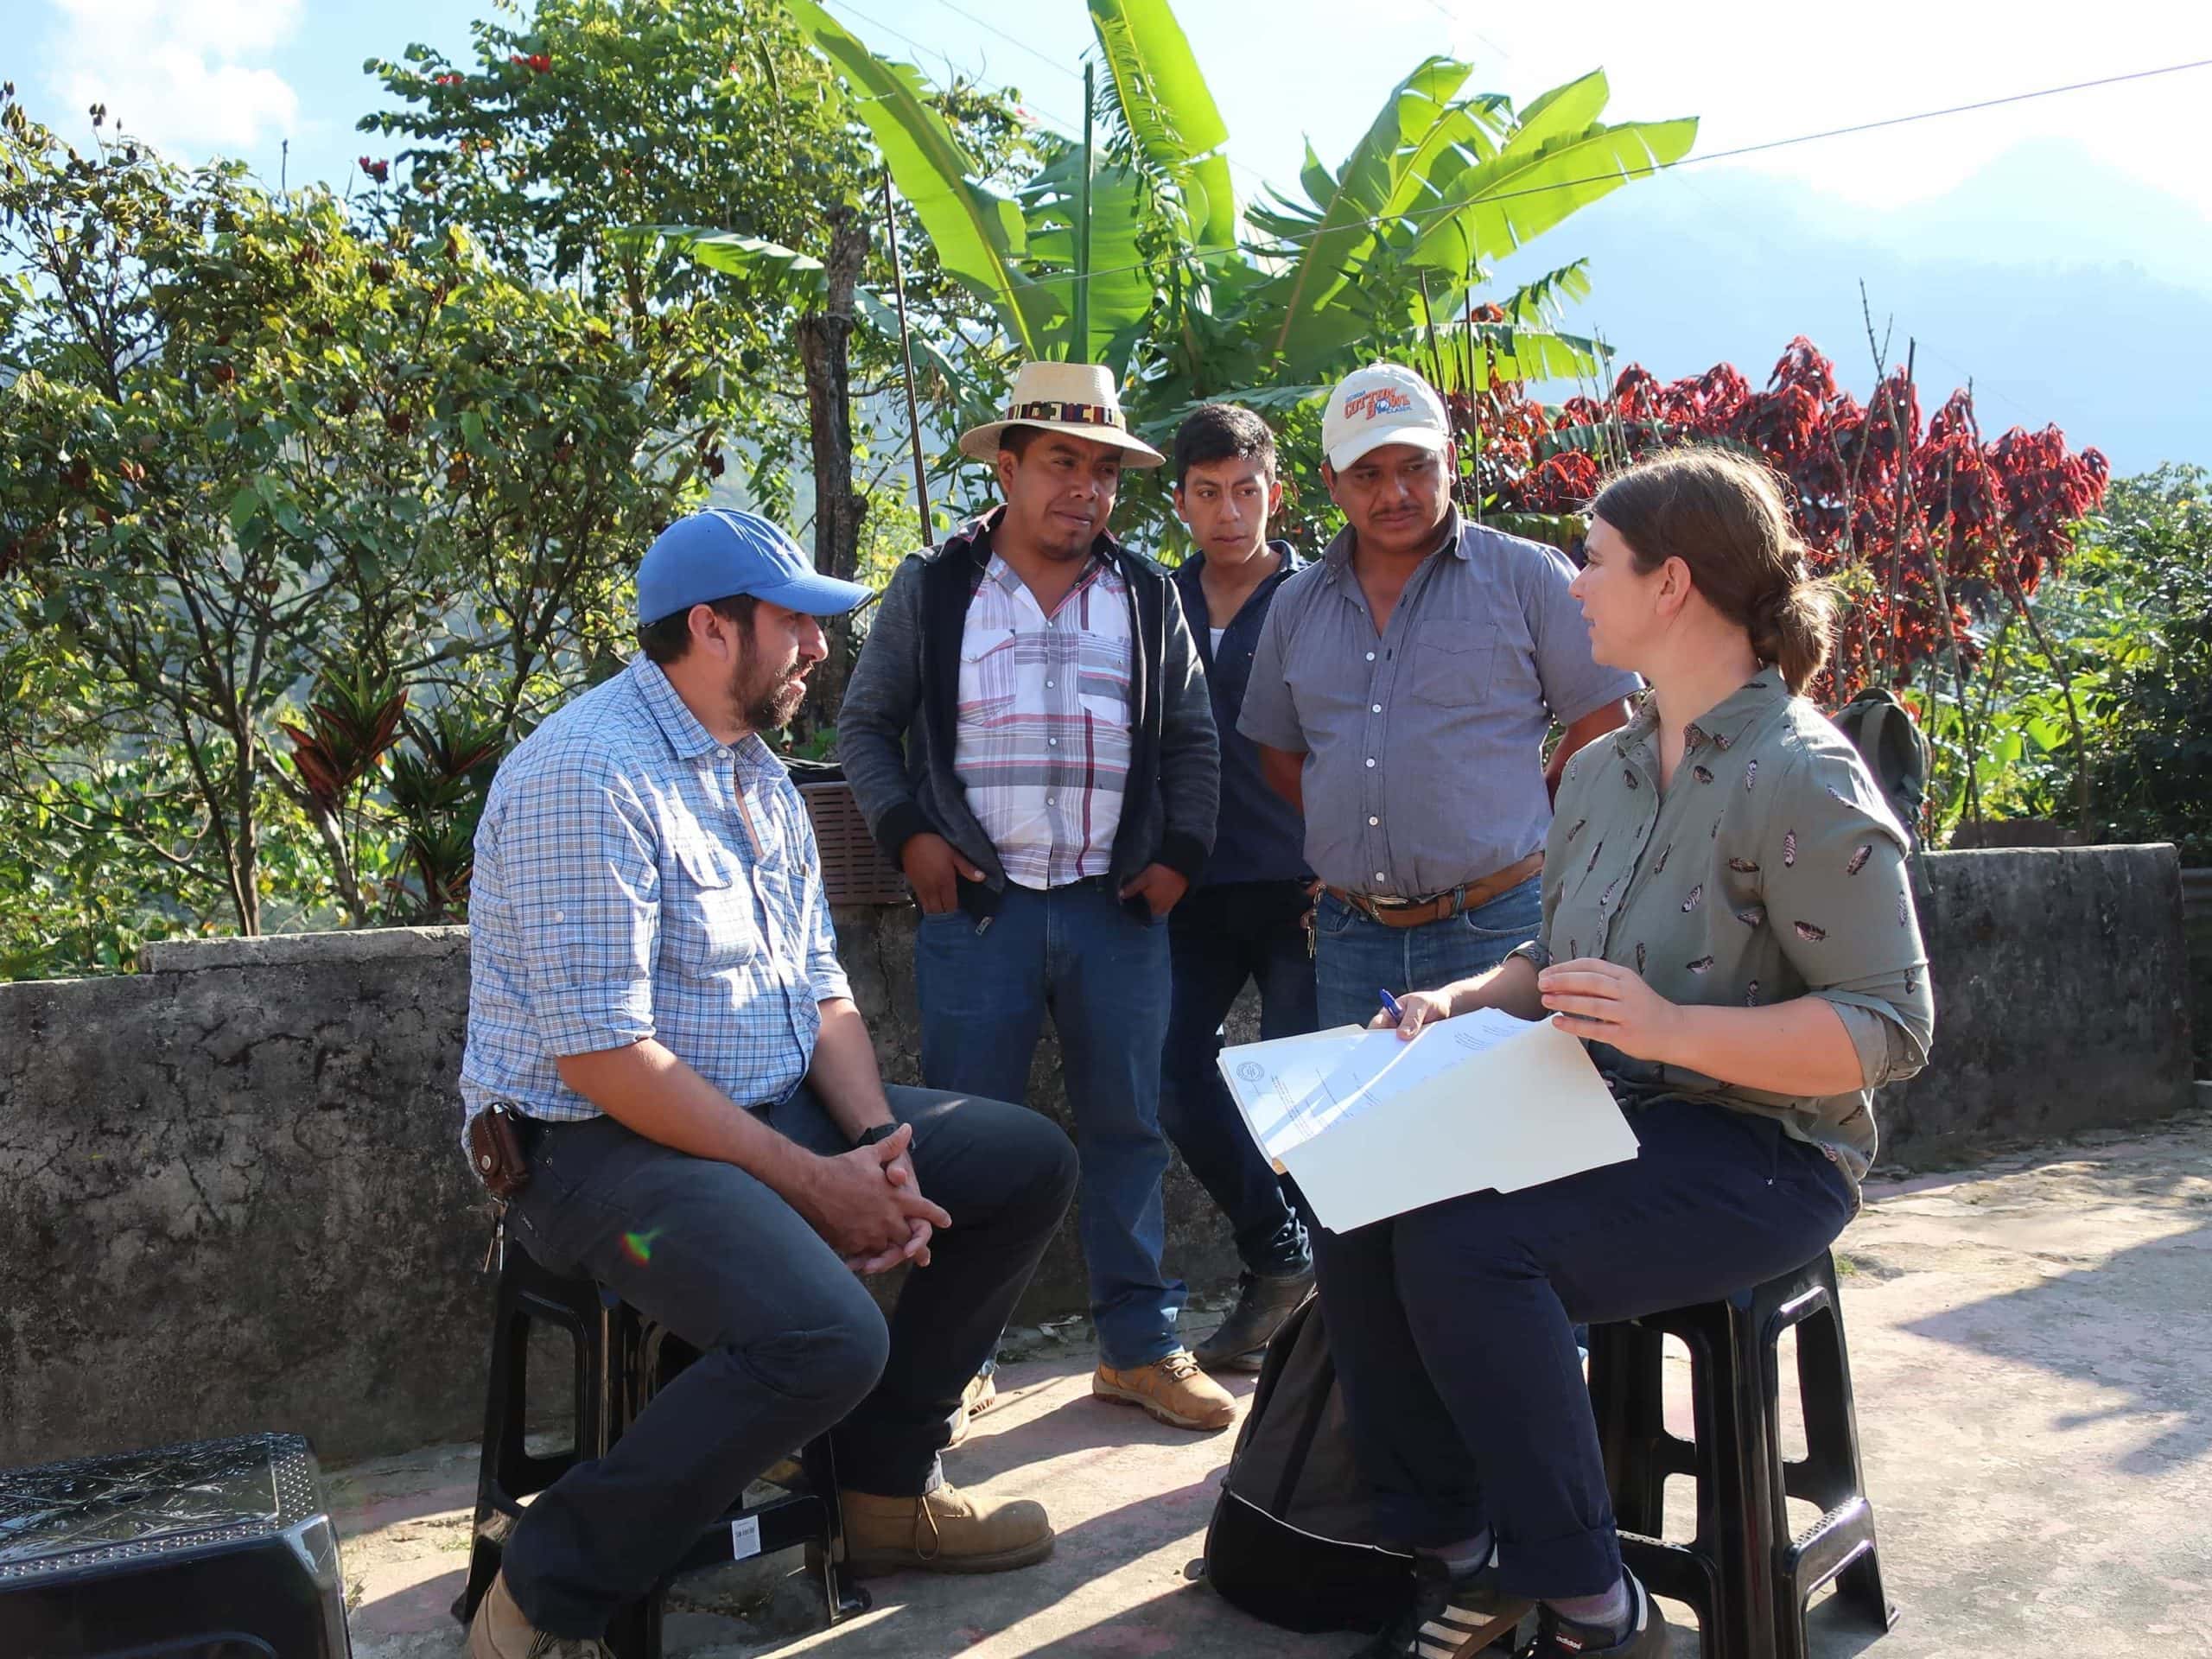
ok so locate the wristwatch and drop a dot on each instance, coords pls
(874, 1134)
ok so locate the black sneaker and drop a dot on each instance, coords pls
(1264, 1301)
(1563, 1639)
(1451, 1617)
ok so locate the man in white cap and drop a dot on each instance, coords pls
(1029, 733)
(1400, 695)
(655, 999)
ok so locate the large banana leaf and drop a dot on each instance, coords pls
(1531, 185)
(1476, 356)
(1469, 131)
(1565, 109)
(1121, 292)
(1169, 111)
(979, 236)
(1332, 252)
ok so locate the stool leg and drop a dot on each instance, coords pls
(505, 1395)
(841, 1597)
(1753, 1339)
(1832, 1472)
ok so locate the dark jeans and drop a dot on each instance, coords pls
(1452, 1325)
(790, 1343)
(1218, 938)
(1357, 957)
(985, 988)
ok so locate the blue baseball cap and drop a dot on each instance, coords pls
(719, 554)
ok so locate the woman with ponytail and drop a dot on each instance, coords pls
(1727, 921)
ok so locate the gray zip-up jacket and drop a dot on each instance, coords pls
(897, 732)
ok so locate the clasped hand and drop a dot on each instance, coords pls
(870, 1208)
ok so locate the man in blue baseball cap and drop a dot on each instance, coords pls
(655, 1001)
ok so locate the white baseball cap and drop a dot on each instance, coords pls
(1383, 402)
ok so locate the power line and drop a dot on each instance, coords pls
(1951, 109)
(1762, 147)
(1060, 121)
(1052, 63)
(1461, 22)
(1416, 217)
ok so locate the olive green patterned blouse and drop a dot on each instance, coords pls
(1769, 868)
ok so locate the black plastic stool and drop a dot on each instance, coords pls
(1744, 1572)
(622, 1359)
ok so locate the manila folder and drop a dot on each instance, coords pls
(1510, 1104)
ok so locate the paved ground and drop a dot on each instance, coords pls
(2034, 1368)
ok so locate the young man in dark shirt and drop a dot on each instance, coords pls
(1246, 920)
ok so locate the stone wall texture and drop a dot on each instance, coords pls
(232, 1196)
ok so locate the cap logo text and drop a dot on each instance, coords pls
(1372, 405)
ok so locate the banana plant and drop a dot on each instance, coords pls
(1440, 184)
(1071, 263)
(1168, 111)
(981, 236)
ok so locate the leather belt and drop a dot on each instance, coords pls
(1420, 912)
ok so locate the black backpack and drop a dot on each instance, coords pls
(1889, 741)
(1292, 1540)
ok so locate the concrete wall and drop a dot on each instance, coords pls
(232, 1196)
(2061, 998)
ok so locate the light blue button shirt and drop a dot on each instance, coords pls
(620, 894)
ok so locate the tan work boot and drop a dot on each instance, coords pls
(1172, 1389)
(947, 1531)
(501, 1631)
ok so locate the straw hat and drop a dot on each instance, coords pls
(1077, 398)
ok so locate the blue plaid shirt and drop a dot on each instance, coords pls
(619, 894)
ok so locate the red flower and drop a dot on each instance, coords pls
(449, 79)
(378, 170)
(536, 62)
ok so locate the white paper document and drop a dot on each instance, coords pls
(1372, 1126)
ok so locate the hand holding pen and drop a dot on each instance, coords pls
(1411, 1013)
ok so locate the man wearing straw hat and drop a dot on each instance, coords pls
(1029, 733)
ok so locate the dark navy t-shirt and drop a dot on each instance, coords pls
(1260, 837)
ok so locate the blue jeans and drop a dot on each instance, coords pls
(1219, 938)
(1354, 957)
(985, 988)
(1451, 1325)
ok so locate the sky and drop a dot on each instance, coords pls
(2091, 207)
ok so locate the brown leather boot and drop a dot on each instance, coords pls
(501, 1631)
(947, 1531)
(1172, 1389)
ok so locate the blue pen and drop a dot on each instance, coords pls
(1391, 1006)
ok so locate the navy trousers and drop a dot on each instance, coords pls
(790, 1341)
(1452, 1327)
(1219, 938)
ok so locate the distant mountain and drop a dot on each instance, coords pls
(2068, 292)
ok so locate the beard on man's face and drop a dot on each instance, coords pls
(766, 699)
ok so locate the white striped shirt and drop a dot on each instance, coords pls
(1044, 722)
